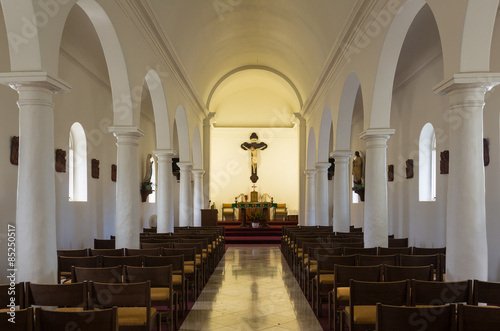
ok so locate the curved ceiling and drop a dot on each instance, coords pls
(254, 98)
(213, 38)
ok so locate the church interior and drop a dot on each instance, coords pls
(120, 116)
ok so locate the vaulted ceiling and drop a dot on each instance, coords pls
(252, 62)
(257, 45)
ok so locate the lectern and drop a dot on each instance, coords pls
(209, 217)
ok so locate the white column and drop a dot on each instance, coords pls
(35, 227)
(197, 196)
(127, 219)
(466, 240)
(376, 214)
(341, 192)
(310, 201)
(185, 195)
(164, 192)
(322, 193)
(300, 123)
(207, 142)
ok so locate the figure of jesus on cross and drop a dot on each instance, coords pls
(253, 146)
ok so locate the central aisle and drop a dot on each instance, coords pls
(251, 289)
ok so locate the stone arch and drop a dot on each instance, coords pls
(477, 35)
(160, 110)
(255, 67)
(324, 135)
(346, 108)
(311, 149)
(182, 134)
(379, 116)
(115, 61)
(197, 155)
(34, 32)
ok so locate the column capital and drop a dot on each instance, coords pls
(40, 79)
(465, 80)
(185, 166)
(341, 155)
(164, 154)
(126, 130)
(210, 119)
(298, 119)
(370, 134)
(322, 166)
(126, 135)
(310, 172)
(198, 172)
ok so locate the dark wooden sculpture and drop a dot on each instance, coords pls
(14, 150)
(95, 168)
(445, 163)
(60, 160)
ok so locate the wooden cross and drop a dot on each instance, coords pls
(253, 146)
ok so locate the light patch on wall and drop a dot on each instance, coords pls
(254, 98)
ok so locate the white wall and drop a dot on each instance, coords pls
(147, 144)
(414, 105)
(357, 209)
(277, 168)
(78, 223)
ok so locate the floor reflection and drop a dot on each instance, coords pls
(251, 289)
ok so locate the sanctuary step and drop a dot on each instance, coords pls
(237, 235)
(279, 224)
(237, 231)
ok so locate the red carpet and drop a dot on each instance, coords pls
(237, 235)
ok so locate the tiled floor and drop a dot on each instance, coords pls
(252, 289)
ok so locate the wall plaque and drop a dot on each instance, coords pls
(409, 168)
(444, 163)
(14, 150)
(60, 160)
(390, 173)
(95, 168)
(113, 172)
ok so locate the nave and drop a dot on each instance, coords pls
(252, 288)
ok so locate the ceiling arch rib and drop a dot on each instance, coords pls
(254, 96)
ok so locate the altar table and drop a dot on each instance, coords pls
(243, 206)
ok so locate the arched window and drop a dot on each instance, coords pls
(77, 163)
(152, 196)
(427, 164)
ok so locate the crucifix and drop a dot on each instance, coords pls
(253, 146)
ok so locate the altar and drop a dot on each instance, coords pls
(243, 206)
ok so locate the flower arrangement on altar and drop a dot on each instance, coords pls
(257, 216)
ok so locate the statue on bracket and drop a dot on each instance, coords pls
(147, 185)
(253, 146)
(357, 175)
